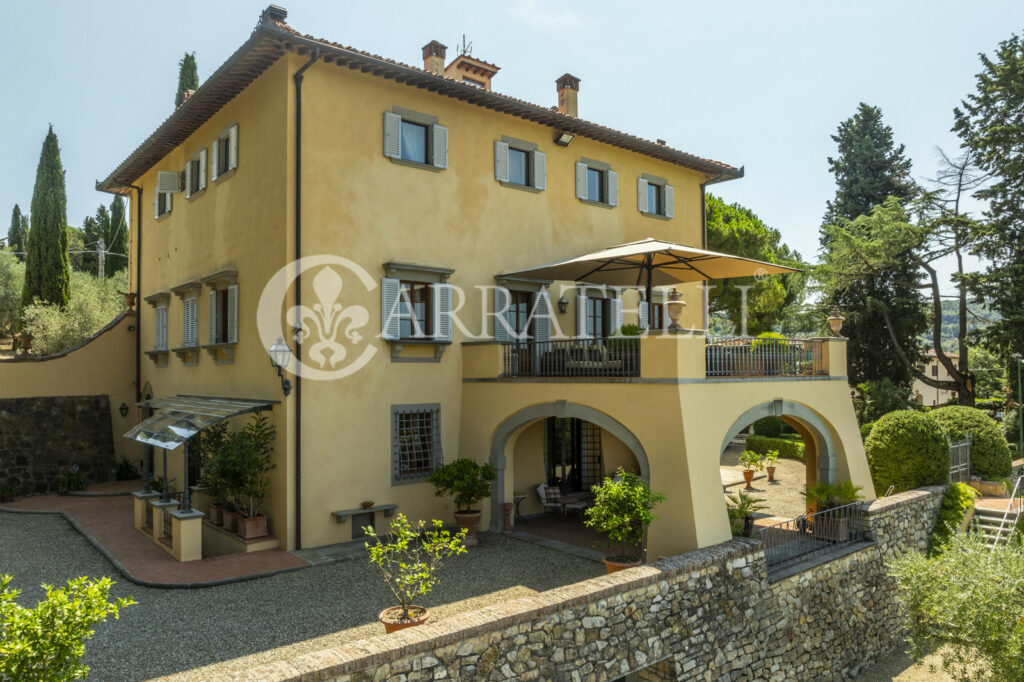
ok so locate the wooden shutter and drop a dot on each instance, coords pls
(670, 210)
(643, 315)
(211, 318)
(233, 147)
(232, 313)
(167, 181)
(581, 316)
(500, 161)
(613, 188)
(542, 317)
(439, 144)
(615, 308)
(202, 168)
(215, 166)
(641, 195)
(501, 305)
(581, 180)
(188, 179)
(392, 135)
(161, 328)
(442, 294)
(389, 312)
(540, 169)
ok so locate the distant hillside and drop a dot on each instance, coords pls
(978, 316)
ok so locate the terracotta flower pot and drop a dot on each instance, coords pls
(255, 527)
(391, 618)
(771, 474)
(614, 564)
(748, 476)
(129, 301)
(469, 520)
(215, 513)
(230, 520)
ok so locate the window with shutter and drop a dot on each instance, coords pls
(223, 155)
(581, 316)
(215, 160)
(232, 147)
(389, 309)
(502, 303)
(232, 313)
(612, 188)
(615, 313)
(161, 328)
(439, 139)
(442, 311)
(416, 310)
(501, 161)
(202, 169)
(654, 196)
(212, 305)
(415, 139)
(641, 195)
(669, 196)
(540, 170)
(643, 316)
(596, 183)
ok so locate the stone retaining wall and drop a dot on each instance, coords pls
(705, 615)
(41, 437)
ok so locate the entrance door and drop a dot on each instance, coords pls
(574, 460)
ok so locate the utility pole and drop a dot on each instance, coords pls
(101, 257)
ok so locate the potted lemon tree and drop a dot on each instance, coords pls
(622, 511)
(752, 462)
(468, 483)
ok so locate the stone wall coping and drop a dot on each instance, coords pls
(362, 654)
(903, 499)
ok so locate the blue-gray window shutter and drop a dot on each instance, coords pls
(501, 305)
(215, 165)
(616, 314)
(392, 135)
(643, 315)
(389, 311)
(613, 188)
(581, 317)
(540, 170)
(581, 180)
(202, 168)
(542, 317)
(232, 313)
(233, 147)
(641, 195)
(188, 179)
(211, 317)
(500, 161)
(670, 210)
(442, 311)
(439, 139)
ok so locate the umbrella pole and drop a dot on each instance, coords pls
(650, 297)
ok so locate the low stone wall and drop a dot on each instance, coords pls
(705, 615)
(40, 437)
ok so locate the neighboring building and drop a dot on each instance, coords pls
(427, 183)
(929, 395)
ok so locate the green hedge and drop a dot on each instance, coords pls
(791, 449)
(990, 456)
(770, 427)
(907, 449)
(958, 499)
(865, 430)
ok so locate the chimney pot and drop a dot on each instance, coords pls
(433, 57)
(568, 94)
(275, 13)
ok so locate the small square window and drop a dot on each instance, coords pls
(414, 142)
(518, 166)
(223, 144)
(655, 199)
(415, 441)
(195, 175)
(595, 185)
(163, 203)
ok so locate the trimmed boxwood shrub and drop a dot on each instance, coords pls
(990, 456)
(865, 430)
(768, 426)
(790, 449)
(907, 449)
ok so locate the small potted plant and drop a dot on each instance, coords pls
(824, 496)
(249, 455)
(213, 470)
(768, 459)
(752, 462)
(9, 491)
(70, 481)
(741, 508)
(468, 482)
(622, 511)
(409, 558)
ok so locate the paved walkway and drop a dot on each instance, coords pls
(108, 522)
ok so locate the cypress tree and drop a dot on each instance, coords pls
(47, 271)
(15, 234)
(188, 77)
(117, 240)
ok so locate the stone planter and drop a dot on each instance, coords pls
(390, 618)
(254, 527)
(469, 520)
(614, 564)
(230, 520)
(832, 529)
(215, 513)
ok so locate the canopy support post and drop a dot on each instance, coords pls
(187, 502)
(650, 293)
(165, 494)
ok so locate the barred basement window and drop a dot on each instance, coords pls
(415, 441)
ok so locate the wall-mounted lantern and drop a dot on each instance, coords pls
(280, 354)
(563, 305)
(123, 409)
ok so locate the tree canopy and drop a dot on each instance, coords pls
(17, 233)
(188, 77)
(47, 273)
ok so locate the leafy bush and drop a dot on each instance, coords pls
(410, 556)
(768, 426)
(956, 502)
(741, 508)
(865, 430)
(1011, 426)
(622, 509)
(126, 470)
(630, 330)
(967, 603)
(990, 456)
(876, 398)
(244, 462)
(465, 480)
(12, 277)
(47, 643)
(824, 495)
(70, 480)
(94, 303)
(751, 461)
(789, 449)
(907, 450)
(990, 405)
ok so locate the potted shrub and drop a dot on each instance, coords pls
(9, 491)
(751, 461)
(248, 459)
(212, 460)
(741, 508)
(768, 459)
(70, 481)
(835, 496)
(409, 558)
(468, 483)
(622, 511)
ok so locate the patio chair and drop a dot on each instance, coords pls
(550, 498)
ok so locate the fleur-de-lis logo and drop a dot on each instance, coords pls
(326, 318)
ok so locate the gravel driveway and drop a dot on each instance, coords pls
(237, 626)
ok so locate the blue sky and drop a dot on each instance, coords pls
(761, 84)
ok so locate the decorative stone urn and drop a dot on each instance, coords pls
(674, 306)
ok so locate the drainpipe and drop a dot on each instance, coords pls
(138, 293)
(298, 292)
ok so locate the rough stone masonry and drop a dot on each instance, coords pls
(711, 614)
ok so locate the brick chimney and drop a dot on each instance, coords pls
(568, 94)
(433, 57)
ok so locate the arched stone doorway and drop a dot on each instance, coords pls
(512, 426)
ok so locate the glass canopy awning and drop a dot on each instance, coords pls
(179, 418)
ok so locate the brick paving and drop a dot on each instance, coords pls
(109, 520)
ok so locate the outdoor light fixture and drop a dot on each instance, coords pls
(835, 321)
(564, 139)
(280, 354)
(563, 305)
(123, 409)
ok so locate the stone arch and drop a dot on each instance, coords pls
(806, 417)
(559, 408)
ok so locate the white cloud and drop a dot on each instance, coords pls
(541, 16)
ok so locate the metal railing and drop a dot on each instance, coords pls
(751, 356)
(807, 536)
(168, 526)
(608, 357)
(1013, 507)
(960, 460)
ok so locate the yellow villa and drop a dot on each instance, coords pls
(394, 236)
